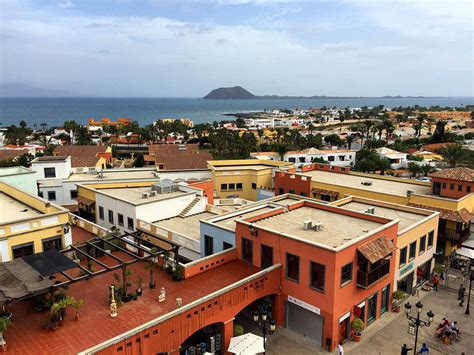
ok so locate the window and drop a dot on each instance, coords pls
(247, 250)
(291, 191)
(412, 251)
(281, 191)
(226, 245)
(208, 245)
(73, 194)
(331, 158)
(52, 195)
(22, 250)
(266, 256)
(239, 186)
(224, 187)
(49, 172)
(254, 186)
(120, 219)
(430, 239)
(317, 274)
(346, 274)
(468, 188)
(54, 243)
(130, 223)
(101, 212)
(111, 217)
(444, 185)
(403, 257)
(303, 194)
(451, 186)
(459, 187)
(422, 244)
(293, 267)
(231, 186)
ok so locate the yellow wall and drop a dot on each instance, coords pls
(36, 237)
(33, 201)
(246, 178)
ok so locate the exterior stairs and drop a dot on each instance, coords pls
(189, 207)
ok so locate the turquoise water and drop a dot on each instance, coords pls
(54, 111)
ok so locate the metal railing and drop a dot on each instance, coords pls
(365, 279)
(453, 235)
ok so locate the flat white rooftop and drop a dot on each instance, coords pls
(134, 194)
(398, 188)
(188, 226)
(338, 229)
(229, 222)
(11, 209)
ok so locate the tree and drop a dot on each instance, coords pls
(455, 154)
(282, 149)
(426, 169)
(333, 139)
(414, 168)
(139, 161)
(439, 135)
(83, 136)
(349, 141)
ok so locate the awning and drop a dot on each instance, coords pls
(49, 262)
(18, 279)
(462, 216)
(246, 344)
(377, 249)
(468, 253)
(319, 191)
(85, 201)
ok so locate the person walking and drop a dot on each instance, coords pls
(340, 349)
(435, 282)
(461, 296)
(405, 349)
(424, 350)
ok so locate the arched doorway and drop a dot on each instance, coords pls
(207, 339)
(244, 323)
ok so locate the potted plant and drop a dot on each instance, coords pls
(139, 282)
(357, 326)
(177, 274)
(4, 324)
(397, 296)
(76, 304)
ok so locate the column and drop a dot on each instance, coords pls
(227, 333)
(279, 309)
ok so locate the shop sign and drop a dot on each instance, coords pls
(303, 304)
(406, 268)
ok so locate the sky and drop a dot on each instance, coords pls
(173, 48)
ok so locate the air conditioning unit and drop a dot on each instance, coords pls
(145, 195)
(307, 225)
(153, 193)
(410, 192)
(366, 183)
(370, 210)
(182, 147)
(318, 227)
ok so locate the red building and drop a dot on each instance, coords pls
(336, 264)
(453, 183)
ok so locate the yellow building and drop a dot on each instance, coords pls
(29, 224)
(416, 241)
(332, 183)
(242, 178)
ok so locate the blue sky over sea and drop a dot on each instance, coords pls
(172, 48)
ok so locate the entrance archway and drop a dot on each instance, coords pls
(207, 339)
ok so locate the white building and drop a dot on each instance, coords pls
(397, 159)
(20, 177)
(336, 157)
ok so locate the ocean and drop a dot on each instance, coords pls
(54, 111)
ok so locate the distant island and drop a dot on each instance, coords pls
(239, 93)
(23, 90)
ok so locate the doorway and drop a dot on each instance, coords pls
(385, 298)
(406, 284)
(371, 308)
(344, 328)
(22, 250)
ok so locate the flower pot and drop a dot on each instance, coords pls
(127, 298)
(396, 308)
(356, 337)
(139, 291)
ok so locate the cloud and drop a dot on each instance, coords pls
(65, 4)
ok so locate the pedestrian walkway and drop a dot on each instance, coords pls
(390, 332)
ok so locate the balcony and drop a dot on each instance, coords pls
(366, 279)
(453, 235)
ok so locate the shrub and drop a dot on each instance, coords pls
(398, 295)
(238, 330)
(357, 325)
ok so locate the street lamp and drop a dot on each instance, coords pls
(471, 277)
(262, 324)
(416, 321)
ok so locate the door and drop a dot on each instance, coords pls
(22, 250)
(208, 245)
(304, 322)
(385, 300)
(54, 243)
(371, 308)
(344, 330)
(437, 188)
(266, 256)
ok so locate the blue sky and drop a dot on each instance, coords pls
(186, 48)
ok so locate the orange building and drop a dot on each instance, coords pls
(107, 121)
(337, 264)
(453, 183)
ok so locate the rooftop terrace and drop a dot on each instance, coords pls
(11, 209)
(134, 194)
(28, 335)
(188, 226)
(395, 187)
(338, 228)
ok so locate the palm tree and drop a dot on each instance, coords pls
(426, 169)
(43, 126)
(454, 154)
(349, 141)
(414, 168)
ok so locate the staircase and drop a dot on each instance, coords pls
(189, 207)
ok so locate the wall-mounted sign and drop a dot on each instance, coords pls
(406, 268)
(303, 304)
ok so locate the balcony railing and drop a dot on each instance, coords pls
(453, 235)
(365, 279)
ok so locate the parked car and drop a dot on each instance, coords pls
(423, 179)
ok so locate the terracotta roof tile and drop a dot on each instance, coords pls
(175, 157)
(11, 153)
(463, 215)
(316, 190)
(461, 174)
(81, 155)
(377, 249)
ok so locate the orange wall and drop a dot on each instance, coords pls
(207, 187)
(298, 183)
(335, 301)
(455, 193)
(207, 263)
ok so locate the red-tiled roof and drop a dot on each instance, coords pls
(463, 215)
(179, 157)
(461, 174)
(81, 155)
(435, 146)
(11, 153)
